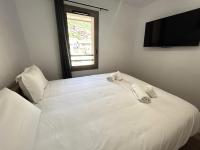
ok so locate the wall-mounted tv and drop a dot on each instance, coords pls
(178, 30)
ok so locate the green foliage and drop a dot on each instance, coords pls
(79, 29)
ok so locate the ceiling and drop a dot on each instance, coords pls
(138, 3)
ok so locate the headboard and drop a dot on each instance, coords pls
(15, 87)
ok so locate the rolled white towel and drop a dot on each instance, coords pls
(115, 76)
(119, 76)
(140, 94)
(150, 91)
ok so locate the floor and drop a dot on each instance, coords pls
(193, 143)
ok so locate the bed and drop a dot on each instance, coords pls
(91, 113)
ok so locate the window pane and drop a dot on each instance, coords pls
(81, 39)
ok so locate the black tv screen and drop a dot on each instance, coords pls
(178, 30)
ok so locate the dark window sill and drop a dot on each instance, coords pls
(82, 68)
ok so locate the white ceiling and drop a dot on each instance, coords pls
(138, 3)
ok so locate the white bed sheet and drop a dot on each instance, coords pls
(91, 113)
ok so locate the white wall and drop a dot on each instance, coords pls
(13, 54)
(38, 22)
(116, 36)
(173, 69)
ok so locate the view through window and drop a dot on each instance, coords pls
(81, 39)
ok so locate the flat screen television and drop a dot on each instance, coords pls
(178, 30)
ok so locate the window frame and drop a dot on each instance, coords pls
(92, 13)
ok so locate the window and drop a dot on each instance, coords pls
(83, 37)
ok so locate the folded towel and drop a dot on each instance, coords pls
(115, 76)
(150, 91)
(140, 94)
(118, 76)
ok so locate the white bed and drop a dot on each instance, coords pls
(91, 113)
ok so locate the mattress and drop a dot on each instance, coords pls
(91, 113)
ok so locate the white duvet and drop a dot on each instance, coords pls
(91, 113)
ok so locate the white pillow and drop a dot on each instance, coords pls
(18, 121)
(33, 83)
